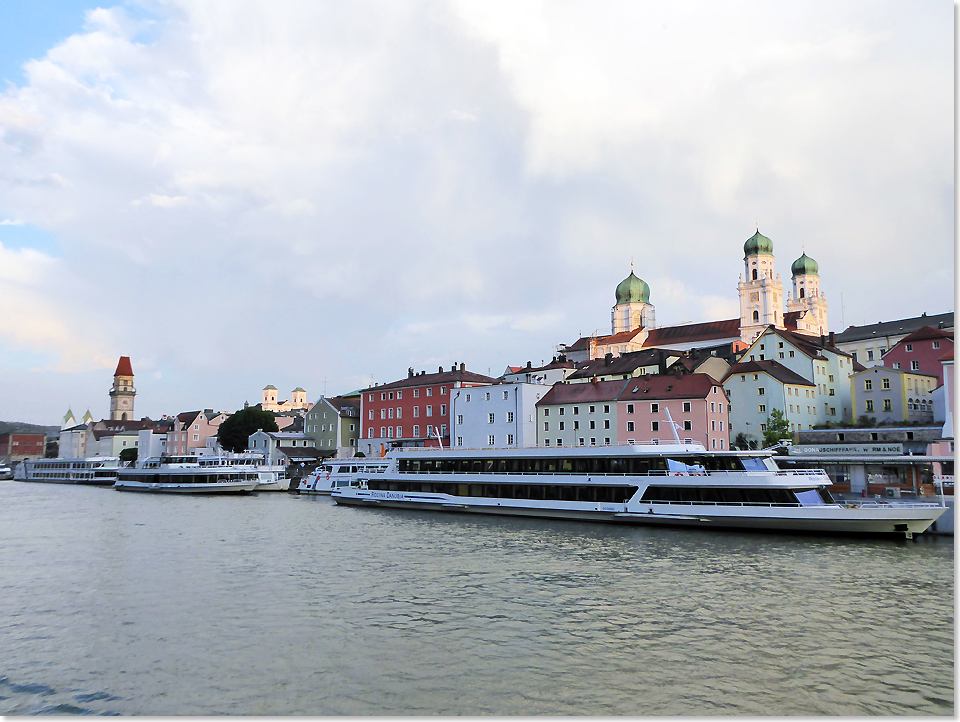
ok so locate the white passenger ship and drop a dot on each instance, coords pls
(189, 475)
(95, 470)
(667, 484)
(335, 473)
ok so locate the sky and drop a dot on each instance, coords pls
(319, 194)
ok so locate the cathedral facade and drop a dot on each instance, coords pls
(762, 304)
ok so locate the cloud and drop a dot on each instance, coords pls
(345, 190)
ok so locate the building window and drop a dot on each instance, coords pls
(654, 425)
(561, 426)
(896, 365)
(686, 407)
(506, 395)
(887, 405)
(399, 396)
(416, 412)
(654, 409)
(416, 430)
(429, 392)
(763, 408)
(370, 414)
(459, 419)
(490, 418)
(546, 412)
(869, 354)
(443, 390)
(630, 426)
(868, 385)
(593, 424)
(761, 391)
(606, 423)
(914, 365)
(443, 410)
(909, 347)
(429, 411)
(606, 408)
(936, 344)
(546, 426)
(561, 411)
(486, 396)
(576, 410)
(869, 406)
(791, 354)
(459, 441)
(416, 393)
(509, 417)
(886, 383)
(593, 409)
(688, 426)
(490, 440)
(509, 439)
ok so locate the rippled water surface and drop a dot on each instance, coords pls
(276, 604)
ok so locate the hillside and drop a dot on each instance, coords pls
(20, 427)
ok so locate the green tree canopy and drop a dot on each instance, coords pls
(128, 454)
(235, 432)
(777, 428)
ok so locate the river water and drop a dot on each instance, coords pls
(275, 604)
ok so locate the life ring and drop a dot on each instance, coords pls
(328, 476)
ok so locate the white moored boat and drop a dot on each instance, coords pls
(95, 470)
(335, 473)
(187, 475)
(667, 484)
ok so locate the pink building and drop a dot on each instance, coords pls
(696, 404)
(191, 429)
(921, 351)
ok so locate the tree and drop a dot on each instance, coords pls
(777, 428)
(127, 455)
(745, 441)
(235, 431)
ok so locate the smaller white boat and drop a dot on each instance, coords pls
(338, 473)
(271, 477)
(186, 475)
(95, 470)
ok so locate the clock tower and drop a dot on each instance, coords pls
(761, 292)
(122, 393)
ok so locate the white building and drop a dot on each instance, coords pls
(755, 388)
(284, 447)
(501, 416)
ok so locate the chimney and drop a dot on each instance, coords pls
(463, 367)
(440, 369)
(529, 364)
(453, 368)
(608, 359)
(833, 336)
(595, 380)
(410, 372)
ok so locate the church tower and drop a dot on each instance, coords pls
(807, 298)
(122, 393)
(761, 292)
(633, 309)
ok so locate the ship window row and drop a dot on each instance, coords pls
(187, 478)
(547, 492)
(712, 495)
(604, 465)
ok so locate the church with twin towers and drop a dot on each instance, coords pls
(762, 304)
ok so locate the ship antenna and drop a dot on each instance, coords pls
(673, 426)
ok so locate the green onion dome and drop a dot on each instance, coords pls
(805, 266)
(757, 244)
(633, 290)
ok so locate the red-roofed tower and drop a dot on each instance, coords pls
(122, 393)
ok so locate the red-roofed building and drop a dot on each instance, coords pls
(411, 411)
(635, 410)
(122, 394)
(921, 352)
(21, 446)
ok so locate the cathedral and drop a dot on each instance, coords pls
(762, 304)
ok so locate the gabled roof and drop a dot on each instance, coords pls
(123, 367)
(187, 417)
(926, 332)
(441, 377)
(667, 386)
(772, 368)
(694, 332)
(582, 393)
(887, 369)
(626, 363)
(895, 328)
(583, 342)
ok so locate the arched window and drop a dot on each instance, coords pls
(754, 274)
(756, 314)
(801, 291)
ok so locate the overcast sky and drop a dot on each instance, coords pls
(322, 194)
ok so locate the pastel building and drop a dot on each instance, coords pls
(921, 351)
(334, 423)
(415, 410)
(498, 416)
(190, 432)
(870, 343)
(271, 402)
(755, 388)
(893, 395)
(579, 414)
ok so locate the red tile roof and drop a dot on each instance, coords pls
(772, 368)
(708, 331)
(668, 386)
(123, 367)
(926, 332)
(441, 377)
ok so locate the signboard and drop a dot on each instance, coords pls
(866, 449)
